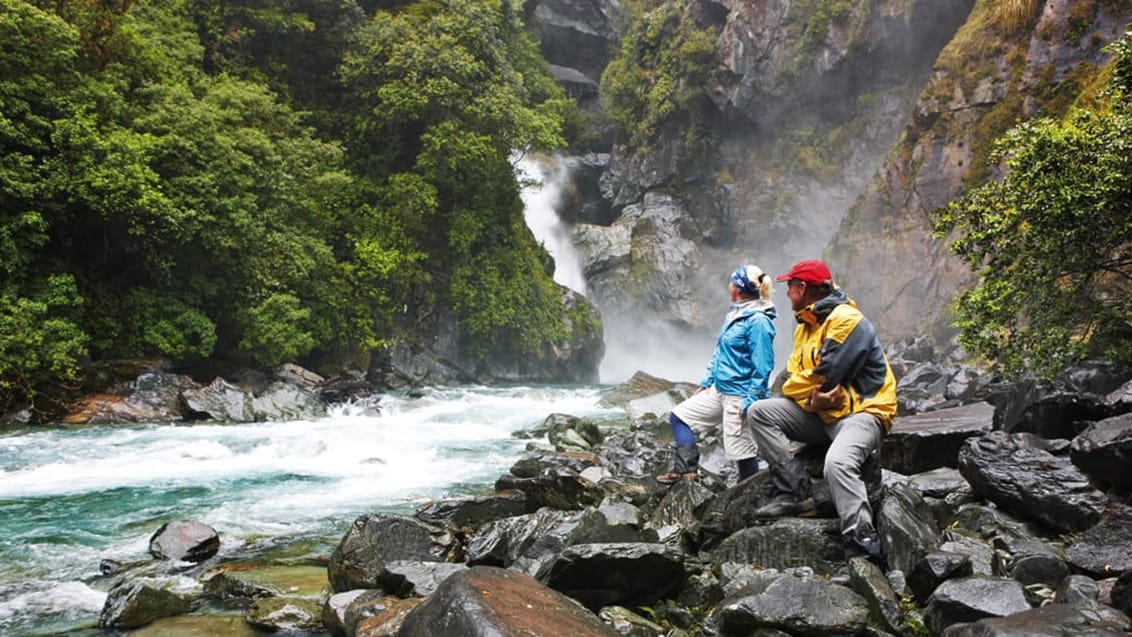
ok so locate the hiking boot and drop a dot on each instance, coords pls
(785, 504)
(685, 465)
(865, 543)
(672, 477)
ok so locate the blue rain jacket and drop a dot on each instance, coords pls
(743, 359)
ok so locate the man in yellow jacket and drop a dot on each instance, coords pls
(841, 391)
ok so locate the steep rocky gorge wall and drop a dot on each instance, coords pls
(833, 129)
(987, 79)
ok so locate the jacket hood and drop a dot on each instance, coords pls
(750, 306)
(817, 312)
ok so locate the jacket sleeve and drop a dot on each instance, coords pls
(800, 380)
(760, 340)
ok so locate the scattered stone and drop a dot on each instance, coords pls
(184, 540)
(136, 602)
(931, 440)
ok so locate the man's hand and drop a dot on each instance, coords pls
(822, 401)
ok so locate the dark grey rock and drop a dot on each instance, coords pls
(972, 598)
(906, 528)
(1053, 620)
(870, 583)
(931, 440)
(629, 574)
(413, 578)
(475, 511)
(935, 568)
(133, 603)
(219, 400)
(560, 489)
(1017, 475)
(795, 605)
(375, 539)
(785, 543)
(1076, 589)
(1104, 451)
(1103, 551)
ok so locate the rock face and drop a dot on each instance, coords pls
(799, 113)
(974, 93)
(835, 133)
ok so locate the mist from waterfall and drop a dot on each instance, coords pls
(543, 189)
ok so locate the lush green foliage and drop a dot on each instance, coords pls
(656, 80)
(264, 181)
(1051, 243)
(449, 90)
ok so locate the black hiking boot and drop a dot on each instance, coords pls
(865, 543)
(790, 484)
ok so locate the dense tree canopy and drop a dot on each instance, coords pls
(263, 182)
(1052, 242)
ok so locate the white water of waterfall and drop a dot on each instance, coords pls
(539, 200)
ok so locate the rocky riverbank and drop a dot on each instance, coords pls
(1003, 510)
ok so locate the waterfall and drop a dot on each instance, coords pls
(545, 179)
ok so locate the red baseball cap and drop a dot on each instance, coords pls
(811, 271)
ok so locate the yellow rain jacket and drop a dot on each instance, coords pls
(834, 344)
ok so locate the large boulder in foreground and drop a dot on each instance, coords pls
(490, 601)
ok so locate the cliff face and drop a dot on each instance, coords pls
(832, 128)
(987, 78)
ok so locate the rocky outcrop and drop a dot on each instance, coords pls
(975, 92)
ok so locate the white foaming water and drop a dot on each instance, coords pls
(72, 497)
(539, 208)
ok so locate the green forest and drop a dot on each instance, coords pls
(242, 183)
(254, 183)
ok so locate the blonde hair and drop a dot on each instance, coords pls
(762, 280)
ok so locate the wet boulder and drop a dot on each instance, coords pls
(906, 528)
(934, 569)
(785, 543)
(504, 541)
(1053, 620)
(486, 600)
(607, 574)
(281, 401)
(413, 578)
(335, 607)
(870, 583)
(133, 603)
(930, 440)
(796, 605)
(284, 614)
(969, 599)
(386, 621)
(558, 488)
(1122, 593)
(1104, 550)
(154, 396)
(1019, 473)
(1056, 409)
(1104, 451)
(533, 464)
(373, 540)
(218, 400)
(475, 511)
(677, 509)
(184, 540)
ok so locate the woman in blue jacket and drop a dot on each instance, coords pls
(737, 375)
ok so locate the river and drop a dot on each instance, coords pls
(72, 497)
